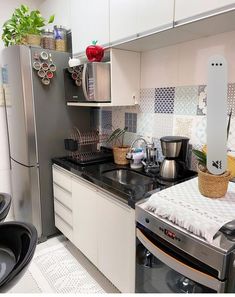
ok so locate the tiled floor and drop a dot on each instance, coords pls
(30, 284)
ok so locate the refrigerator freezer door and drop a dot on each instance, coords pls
(19, 104)
(26, 195)
(54, 121)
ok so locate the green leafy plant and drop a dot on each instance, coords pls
(201, 157)
(22, 23)
(117, 136)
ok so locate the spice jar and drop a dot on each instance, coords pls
(48, 41)
(60, 38)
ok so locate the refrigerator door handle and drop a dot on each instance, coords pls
(28, 166)
(8, 139)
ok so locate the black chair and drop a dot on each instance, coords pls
(5, 204)
(17, 246)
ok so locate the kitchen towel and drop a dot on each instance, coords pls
(186, 207)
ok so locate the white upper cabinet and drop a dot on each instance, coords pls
(123, 19)
(89, 21)
(185, 9)
(154, 15)
(128, 18)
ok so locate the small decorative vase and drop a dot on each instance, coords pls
(213, 186)
(119, 155)
(33, 39)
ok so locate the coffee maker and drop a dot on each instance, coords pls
(175, 151)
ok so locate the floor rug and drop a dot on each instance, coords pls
(56, 270)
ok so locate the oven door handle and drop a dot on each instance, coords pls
(180, 267)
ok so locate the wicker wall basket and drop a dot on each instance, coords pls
(119, 155)
(213, 186)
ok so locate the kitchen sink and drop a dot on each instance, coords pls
(127, 177)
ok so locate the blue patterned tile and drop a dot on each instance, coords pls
(164, 100)
(131, 122)
(106, 119)
(186, 100)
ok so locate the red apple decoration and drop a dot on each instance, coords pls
(94, 52)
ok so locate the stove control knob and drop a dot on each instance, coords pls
(147, 220)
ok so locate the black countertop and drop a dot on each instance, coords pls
(128, 194)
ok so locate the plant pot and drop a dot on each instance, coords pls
(33, 39)
(119, 155)
(213, 186)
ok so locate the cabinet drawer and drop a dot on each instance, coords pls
(62, 179)
(63, 212)
(66, 229)
(63, 196)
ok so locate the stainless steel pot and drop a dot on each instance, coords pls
(169, 169)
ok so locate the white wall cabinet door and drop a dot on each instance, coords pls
(154, 15)
(89, 21)
(123, 19)
(85, 219)
(194, 8)
(116, 242)
(128, 18)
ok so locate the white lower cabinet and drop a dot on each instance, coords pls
(116, 242)
(85, 219)
(99, 225)
(63, 201)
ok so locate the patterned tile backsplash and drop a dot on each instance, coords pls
(164, 100)
(167, 111)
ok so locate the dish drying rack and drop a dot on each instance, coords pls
(84, 147)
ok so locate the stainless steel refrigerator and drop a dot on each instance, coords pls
(38, 121)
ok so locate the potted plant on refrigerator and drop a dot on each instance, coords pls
(119, 149)
(24, 27)
(210, 185)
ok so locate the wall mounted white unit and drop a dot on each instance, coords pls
(217, 115)
(125, 80)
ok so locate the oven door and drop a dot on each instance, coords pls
(159, 270)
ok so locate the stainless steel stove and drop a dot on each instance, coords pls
(169, 259)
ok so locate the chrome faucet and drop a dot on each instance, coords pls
(150, 153)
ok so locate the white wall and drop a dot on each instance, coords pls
(6, 10)
(60, 8)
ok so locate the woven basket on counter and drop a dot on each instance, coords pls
(213, 186)
(119, 155)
